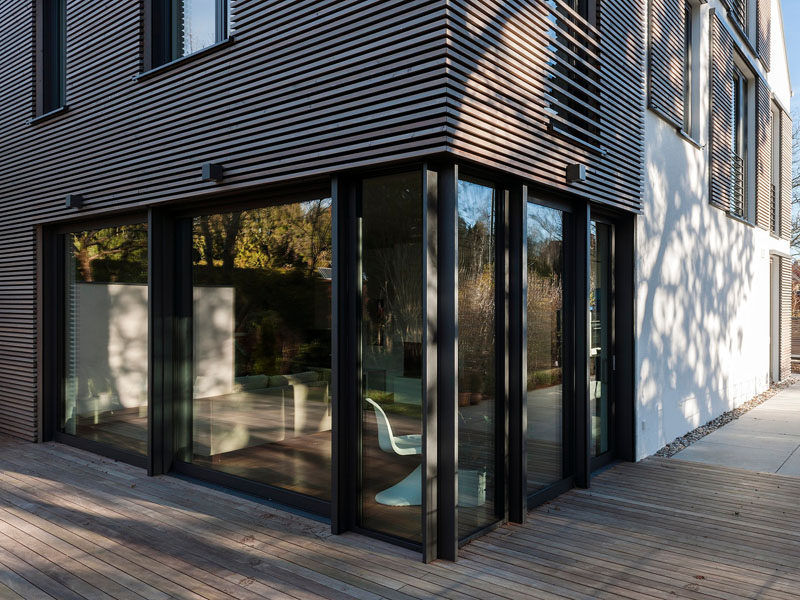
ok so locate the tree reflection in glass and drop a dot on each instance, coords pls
(261, 339)
(476, 356)
(545, 302)
(106, 336)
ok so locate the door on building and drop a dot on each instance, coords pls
(601, 342)
(774, 320)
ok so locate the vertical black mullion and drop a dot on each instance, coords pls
(221, 19)
(517, 352)
(345, 376)
(430, 368)
(501, 353)
(447, 362)
(583, 430)
(625, 340)
(160, 302)
(181, 406)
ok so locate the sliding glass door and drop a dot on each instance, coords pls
(391, 347)
(257, 295)
(549, 418)
(601, 342)
(105, 337)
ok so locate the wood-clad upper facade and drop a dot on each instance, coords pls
(301, 91)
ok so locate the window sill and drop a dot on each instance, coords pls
(48, 115)
(183, 60)
(736, 217)
(689, 138)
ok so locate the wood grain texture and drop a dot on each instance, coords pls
(763, 154)
(721, 135)
(75, 525)
(666, 63)
(307, 89)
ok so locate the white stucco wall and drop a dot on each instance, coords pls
(703, 285)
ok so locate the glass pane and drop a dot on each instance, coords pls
(105, 337)
(476, 357)
(545, 386)
(600, 337)
(391, 349)
(196, 25)
(262, 345)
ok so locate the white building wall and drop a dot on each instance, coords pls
(702, 281)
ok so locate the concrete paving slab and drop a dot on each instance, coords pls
(757, 425)
(792, 465)
(731, 455)
(752, 439)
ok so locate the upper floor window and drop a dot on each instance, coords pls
(688, 60)
(51, 56)
(739, 155)
(182, 27)
(775, 187)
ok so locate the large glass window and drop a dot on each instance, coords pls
(477, 380)
(545, 366)
(182, 27)
(106, 337)
(391, 355)
(261, 346)
(601, 355)
(52, 41)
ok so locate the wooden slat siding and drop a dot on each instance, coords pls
(666, 59)
(785, 319)
(786, 177)
(498, 71)
(764, 30)
(309, 87)
(722, 49)
(763, 154)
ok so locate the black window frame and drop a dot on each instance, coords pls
(688, 69)
(739, 142)
(51, 57)
(163, 44)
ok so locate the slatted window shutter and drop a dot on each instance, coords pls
(763, 154)
(666, 59)
(721, 138)
(786, 177)
(764, 33)
(785, 318)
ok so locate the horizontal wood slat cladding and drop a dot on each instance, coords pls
(721, 138)
(307, 88)
(500, 103)
(785, 319)
(666, 59)
(763, 153)
(764, 33)
(786, 177)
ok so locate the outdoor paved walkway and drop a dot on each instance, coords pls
(74, 525)
(765, 439)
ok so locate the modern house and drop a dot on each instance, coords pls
(414, 267)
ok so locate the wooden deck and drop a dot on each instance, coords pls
(73, 525)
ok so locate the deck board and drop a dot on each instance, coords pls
(76, 525)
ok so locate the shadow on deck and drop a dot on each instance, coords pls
(74, 525)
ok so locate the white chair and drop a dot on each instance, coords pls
(404, 445)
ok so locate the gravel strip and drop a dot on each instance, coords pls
(690, 438)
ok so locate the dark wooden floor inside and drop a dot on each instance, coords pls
(73, 525)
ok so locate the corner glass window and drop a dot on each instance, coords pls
(392, 327)
(106, 337)
(183, 27)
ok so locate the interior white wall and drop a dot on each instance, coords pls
(702, 288)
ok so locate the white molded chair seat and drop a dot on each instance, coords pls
(404, 445)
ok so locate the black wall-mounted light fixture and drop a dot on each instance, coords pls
(74, 201)
(212, 172)
(576, 172)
